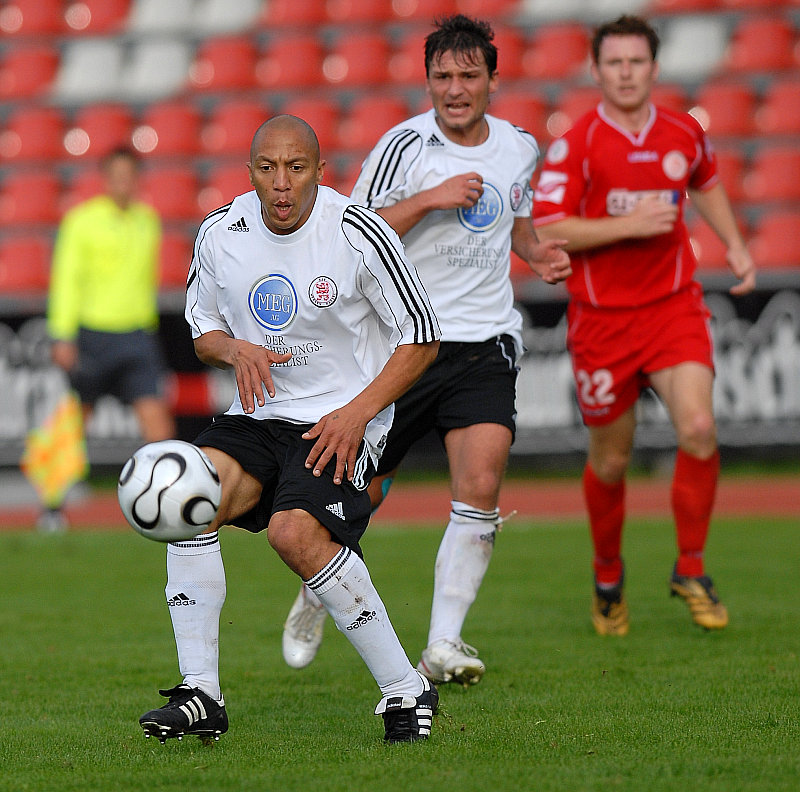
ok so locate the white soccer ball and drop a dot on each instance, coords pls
(169, 491)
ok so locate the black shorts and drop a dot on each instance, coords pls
(467, 384)
(275, 453)
(129, 366)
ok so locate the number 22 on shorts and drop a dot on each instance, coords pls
(594, 389)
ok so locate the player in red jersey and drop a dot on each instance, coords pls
(614, 186)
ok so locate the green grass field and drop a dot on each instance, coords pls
(85, 642)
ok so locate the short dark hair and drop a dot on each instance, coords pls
(626, 25)
(121, 152)
(461, 35)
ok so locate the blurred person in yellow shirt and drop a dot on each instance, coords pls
(102, 313)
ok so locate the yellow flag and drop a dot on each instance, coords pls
(55, 453)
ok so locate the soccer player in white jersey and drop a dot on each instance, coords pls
(455, 184)
(310, 300)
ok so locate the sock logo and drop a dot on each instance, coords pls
(488, 537)
(363, 617)
(180, 600)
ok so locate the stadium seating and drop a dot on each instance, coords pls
(407, 60)
(779, 113)
(176, 255)
(731, 167)
(90, 70)
(761, 44)
(367, 118)
(168, 128)
(774, 175)
(98, 128)
(96, 17)
(222, 185)
(422, 10)
(27, 72)
(557, 52)
(348, 12)
(692, 47)
(157, 68)
(357, 59)
(323, 115)
(301, 14)
(776, 243)
(32, 133)
(726, 108)
(24, 264)
(230, 126)
(524, 108)
(173, 191)
(29, 197)
(159, 17)
(293, 59)
(25, 18)
(224, 64)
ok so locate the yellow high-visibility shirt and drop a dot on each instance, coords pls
(105, 269)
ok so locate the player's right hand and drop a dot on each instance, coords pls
(251, 364)
(459, 192)
(652, 216)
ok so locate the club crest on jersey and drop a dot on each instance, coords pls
(273, 302)
(486, 213)
(323, 292)
(675, 165)
(516, 195)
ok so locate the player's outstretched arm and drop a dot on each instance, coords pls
(250, 363)
(547, 258)
(339, 433)
(457, 192)
(715, 208)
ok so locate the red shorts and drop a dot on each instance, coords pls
(615, 349)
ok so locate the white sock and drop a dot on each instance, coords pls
(345, 589)
(461, 563)
(195, 594)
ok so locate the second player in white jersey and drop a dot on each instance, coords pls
(462, 255)
(339, 305)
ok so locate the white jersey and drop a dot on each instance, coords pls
(462, 256)
(338, 293)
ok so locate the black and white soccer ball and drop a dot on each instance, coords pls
(169, 491)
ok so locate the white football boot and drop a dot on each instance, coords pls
(448, 661)
(302, 633)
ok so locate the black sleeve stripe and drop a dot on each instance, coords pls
(390, 162)
(425, 323)
(211, 219)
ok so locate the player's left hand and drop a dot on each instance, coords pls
(743, 268)
(339, 434)
(550, 261)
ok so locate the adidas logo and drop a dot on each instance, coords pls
(434, 142)
(179, 600)
(336, 508)
(239, 225)
(363, 617)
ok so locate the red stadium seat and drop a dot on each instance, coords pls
(407, 60)
(97, 17)
(570, 106)
(779, 113)
(25, 264)
(30, 197)
(301, 14)
(232, 124)
(176, 256)
(322, 115)
(356, 59)
(511, 50)
(682, 6)
(557, 52)
(98, 128)
(171, 127)
(725, 108)
(367, 118)
(708, 247)
(291, 59)
(774, 175)
(225, 63)
(671, 96)
(487, 9)
(345, 12)
(525, 109)
(173, 191)
(423, 9)
(27, 72)
(32, 18)
(346, 178)
(223, 184)
(776, 242)
(81, 186)
(761, 44)
(731, 168)
(32, 133)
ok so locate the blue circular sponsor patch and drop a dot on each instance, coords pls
(486, 213)
(273, 302)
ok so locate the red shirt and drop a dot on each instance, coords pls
(598, 169)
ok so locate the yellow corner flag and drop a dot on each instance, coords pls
(55, 453)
